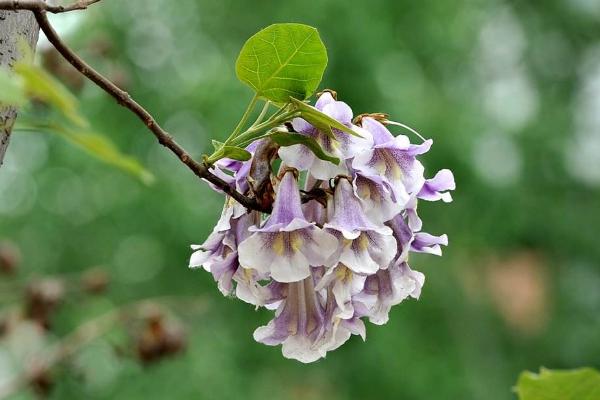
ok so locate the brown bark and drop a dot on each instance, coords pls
(13, 26)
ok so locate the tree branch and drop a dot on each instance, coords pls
(125, 100)
(40, 5)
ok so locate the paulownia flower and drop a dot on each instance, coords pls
(392, 158)
(340, 257)
(241, 169)
(438, 187)
(426, 243)
(219, 255)
(220, 242)
(299, 323)
(287, 245)
(307, 323)
(364, 247)
(376, 198)
(342, 284)
(344, 146)
(387, 288)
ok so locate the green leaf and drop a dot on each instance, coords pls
(11, 89)
(38, 83)
(216, 144)
(321, 121)
(235, 153)
(578, 384)
(283, 61)
(290, 139)
(98, 146)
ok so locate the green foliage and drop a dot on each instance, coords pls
(235, 153)
(12, 92)
(103, 149)
(40, 85)
(216, 144)
(98, 146)
(30, 81)
(283, 61)
(578, 384)
(290, 139)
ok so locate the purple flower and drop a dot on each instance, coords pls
(340, 326)
(392, 158)
(230, 180)
(364, 247)
(307, 324)
(219, 256)
(343, 284)
(344, 146)
(404, 237)
(426, 243)
(387, 288)
(220, 242)
(342, 256)
(241, 169)
(287, 245)
(376, 198)
(438, 187)
(298, 324)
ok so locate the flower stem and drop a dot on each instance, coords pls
(253, 133)
(244, 119)
(262, 114)
(256, 131)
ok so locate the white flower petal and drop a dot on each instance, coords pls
(297, 156)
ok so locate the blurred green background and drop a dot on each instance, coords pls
(510, 93)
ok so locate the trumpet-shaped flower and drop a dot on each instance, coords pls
(387, 288)
(364, 247)
(392, 158)
(287, 245)
(298, 325)
(341, 145)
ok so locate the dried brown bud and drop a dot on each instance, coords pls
(333, 93)
(3, 326)
(259, 177)
(160, 337)
(40, 380)
(95, 280)
(42, 298)
(381, 117)
(10, 257)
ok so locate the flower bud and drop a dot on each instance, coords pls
(160, 337)
(10, 257)
(95, 281)
(42, 298)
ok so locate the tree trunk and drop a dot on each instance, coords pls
(13, 26)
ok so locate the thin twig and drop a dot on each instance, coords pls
(40, 5)
(125, 100)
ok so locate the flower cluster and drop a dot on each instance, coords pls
(327, 264)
